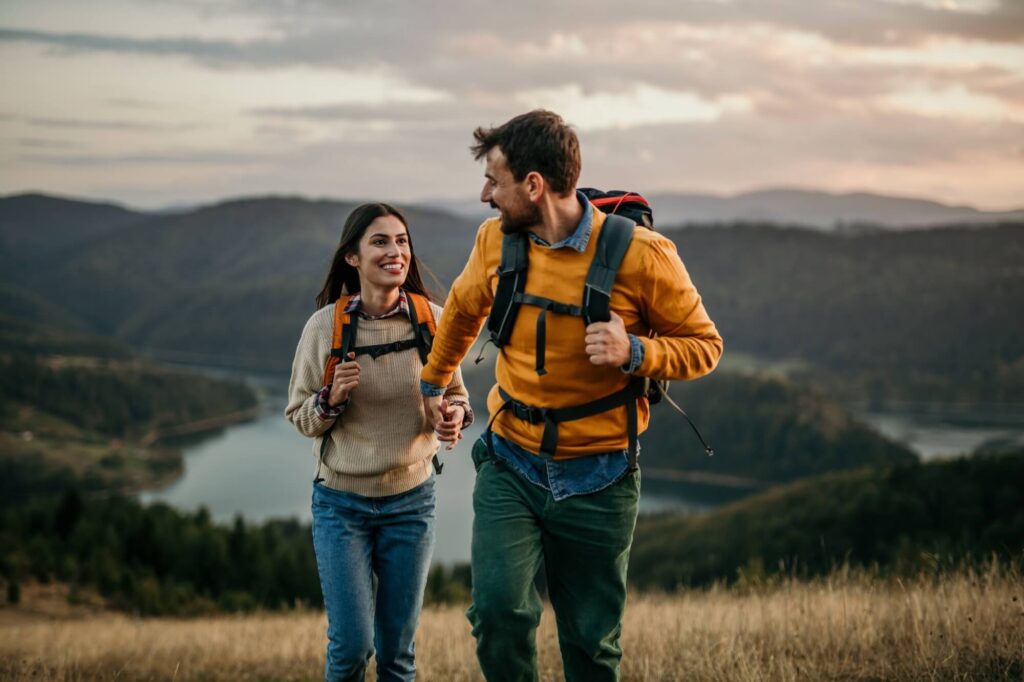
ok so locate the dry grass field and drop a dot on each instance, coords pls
(961, 627)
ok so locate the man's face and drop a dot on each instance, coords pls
(501, 191)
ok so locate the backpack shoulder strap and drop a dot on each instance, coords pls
(612, 243)
(343, 337)
(511, 280)
(423, 323)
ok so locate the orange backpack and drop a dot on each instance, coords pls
(343, 340)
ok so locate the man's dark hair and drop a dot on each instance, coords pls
(536, 141)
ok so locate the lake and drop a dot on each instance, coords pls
(263, 469)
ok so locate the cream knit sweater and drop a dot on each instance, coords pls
(381, 444)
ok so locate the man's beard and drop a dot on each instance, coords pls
(521, 222)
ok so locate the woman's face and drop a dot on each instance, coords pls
(384, 254)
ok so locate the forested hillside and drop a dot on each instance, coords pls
(887, 315)
(927, 315)
(899, 519)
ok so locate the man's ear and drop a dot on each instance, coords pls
(535, 185)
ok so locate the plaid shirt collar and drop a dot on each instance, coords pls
(402, 307)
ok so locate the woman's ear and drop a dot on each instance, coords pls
(352, 259)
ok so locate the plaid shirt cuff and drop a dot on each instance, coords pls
(636, 355)
(323, 407)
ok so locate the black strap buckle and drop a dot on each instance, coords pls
(528, 413)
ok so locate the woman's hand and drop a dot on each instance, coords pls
(449, 429)
(346, 380)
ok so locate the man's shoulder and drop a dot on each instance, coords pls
(490, 227)
(649, 237)
(489, 238)
(647, 244)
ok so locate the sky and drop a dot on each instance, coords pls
(155, 103)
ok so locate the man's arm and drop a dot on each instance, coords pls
(686, 345)
(468, 305)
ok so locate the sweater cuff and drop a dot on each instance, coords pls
(323, 408)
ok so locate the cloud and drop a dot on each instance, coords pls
(640, 105)
(361, 34)
(730, 93)
(125, 125)
(41, 143)
(168, 157)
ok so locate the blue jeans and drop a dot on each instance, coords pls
(355, 539)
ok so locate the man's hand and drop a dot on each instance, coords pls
(449, 429)
(607, 343)
(346, 380)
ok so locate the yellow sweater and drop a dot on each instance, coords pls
(653, 294)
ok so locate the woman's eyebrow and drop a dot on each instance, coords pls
(381, 234)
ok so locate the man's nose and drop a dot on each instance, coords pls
(486, 193)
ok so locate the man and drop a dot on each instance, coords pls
(551, 486)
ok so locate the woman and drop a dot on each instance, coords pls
(373, 495)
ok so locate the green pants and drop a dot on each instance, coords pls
(584, 542)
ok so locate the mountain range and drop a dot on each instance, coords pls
(791, 207)
(930, 313)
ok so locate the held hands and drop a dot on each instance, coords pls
(346, 380)
(446, 419)
(607, 343)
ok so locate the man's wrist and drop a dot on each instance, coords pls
(636, 355)
(430, 390)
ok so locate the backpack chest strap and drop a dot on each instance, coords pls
(545, 304)
(377, 350)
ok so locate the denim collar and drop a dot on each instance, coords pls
(580, 237)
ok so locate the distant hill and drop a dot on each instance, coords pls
(922, 314)
(232, 282)
(792, 207)
(36, 226)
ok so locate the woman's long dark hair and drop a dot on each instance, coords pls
(344, 276)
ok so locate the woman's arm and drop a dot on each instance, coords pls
(308, 407)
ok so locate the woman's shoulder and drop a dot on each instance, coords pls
(319, 321)
(437, 309)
